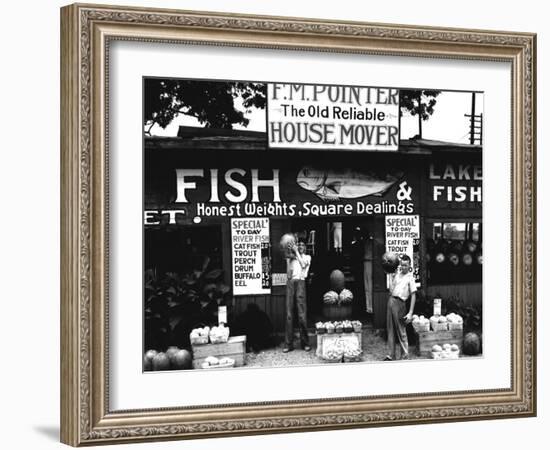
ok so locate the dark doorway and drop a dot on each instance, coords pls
(337, 243)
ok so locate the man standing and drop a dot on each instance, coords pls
(297, 268)
(402, 287)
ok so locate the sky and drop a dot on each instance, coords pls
(447, 123)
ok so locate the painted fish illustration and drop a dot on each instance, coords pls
(335, 184)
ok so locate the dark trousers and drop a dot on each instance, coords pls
(396, 326)
(296, 297)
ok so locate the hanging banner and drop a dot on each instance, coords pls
(251, 259)
(403, 237)
(333, 117)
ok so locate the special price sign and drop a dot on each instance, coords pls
(402, 237)
(329, 116)
(251, 259)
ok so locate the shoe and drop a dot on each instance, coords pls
(388, 358)
(307, 348)
(287, 349)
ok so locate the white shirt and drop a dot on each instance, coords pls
(402, 286)
(295, 270)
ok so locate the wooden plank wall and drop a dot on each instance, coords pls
(470, 293)
(273, 305)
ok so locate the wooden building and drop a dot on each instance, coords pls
(232, 173)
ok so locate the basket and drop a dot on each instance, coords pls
(358, 328)
(339, 329)
(348, 329)
(455, 326)
(330, 330)
(200, 340)
(321, 330)
(440, 326)
(219, 339)
(421, 327)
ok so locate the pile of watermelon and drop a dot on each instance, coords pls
(173, 359)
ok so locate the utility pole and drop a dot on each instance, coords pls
(476, 123)
(472, 116)
(419, 114)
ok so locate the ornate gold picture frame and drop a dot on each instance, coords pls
(87, 31)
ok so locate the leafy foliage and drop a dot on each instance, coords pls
(175, 304)
(418, 102)
(212, 103)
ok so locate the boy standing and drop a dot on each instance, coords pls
(297, 271)
(402, 286)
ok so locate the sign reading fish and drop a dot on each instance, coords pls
(332, 117)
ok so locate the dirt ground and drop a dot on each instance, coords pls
(374, 349)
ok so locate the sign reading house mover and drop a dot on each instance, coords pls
(334, 117)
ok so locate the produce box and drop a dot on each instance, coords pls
(425, 340)
(324, 339)
(234, 348)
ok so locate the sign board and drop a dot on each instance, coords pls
(250, 256)
(403, 237)
(437, 307)
(314, 116)
(222, 314)
(279, 279)
(455, 184)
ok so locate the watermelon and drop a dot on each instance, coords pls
(161, 362)
(330, 298)
(337, 280)
(472, 344)
(148, 359)
(286, 243)
(182, 359)
(345, 296)
(390, 261)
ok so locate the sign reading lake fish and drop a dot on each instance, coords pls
(333, 117)
(251, 256)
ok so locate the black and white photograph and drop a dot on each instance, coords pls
(289, 224)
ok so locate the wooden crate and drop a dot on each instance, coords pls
(234, 348)
(425, 340)
(322, 339)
